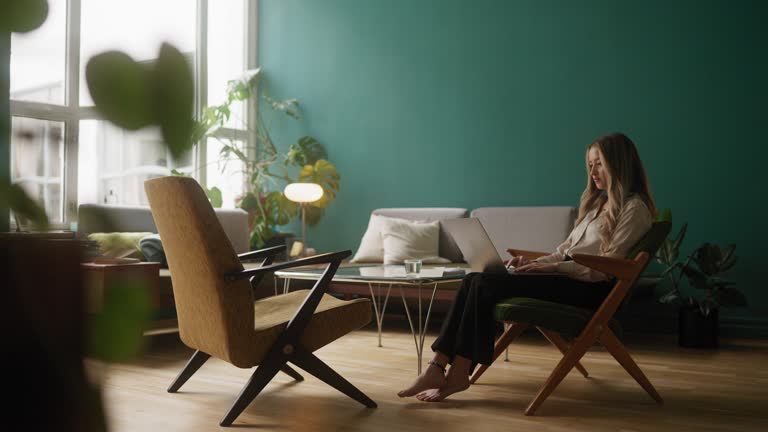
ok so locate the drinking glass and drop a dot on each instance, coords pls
(412, 267)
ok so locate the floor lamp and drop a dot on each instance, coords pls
(303, 193)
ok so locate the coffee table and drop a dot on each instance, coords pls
(389, 276)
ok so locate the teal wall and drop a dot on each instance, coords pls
(491, 103)
(5, 148)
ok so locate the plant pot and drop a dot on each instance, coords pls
(696, 330)
(280, 239)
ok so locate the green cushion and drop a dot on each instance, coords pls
(564, 319)
(119, 244)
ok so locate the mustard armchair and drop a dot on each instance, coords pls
(216, 310)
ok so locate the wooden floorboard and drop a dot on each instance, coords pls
(723, 390)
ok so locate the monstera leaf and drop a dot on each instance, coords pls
(306, 151)
(120, 89)
(21, 16)
(279, 209)
(22, 205)
(174, 88)
(133, 97)
(324, 174)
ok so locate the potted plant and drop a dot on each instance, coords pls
(704, 269)
(265, 167)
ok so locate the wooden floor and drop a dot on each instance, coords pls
(724, 390)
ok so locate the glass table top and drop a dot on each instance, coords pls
(379, 273)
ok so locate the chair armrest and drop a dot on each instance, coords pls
(326, 258)
(618, 267)
(261, 253)
(529, 255)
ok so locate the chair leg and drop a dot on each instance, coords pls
(569, 360)
(194, 363)
(515, 330)
(617, 350)
(555, 339)
(260, 378)
(292, 373)
(313, 365)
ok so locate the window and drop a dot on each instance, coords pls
(38, 59)
(63, 153)
(37, 161)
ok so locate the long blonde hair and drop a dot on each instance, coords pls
(626, 176)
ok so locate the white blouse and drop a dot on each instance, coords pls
(634, 221)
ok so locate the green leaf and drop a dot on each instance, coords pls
(22, 205)
(117, 330)
(670, 269)
(280, 209)
(679, 239)
(22, 16)
(120, 89)
(243, 88)
(731, 297)
(672, 297)
(174, 98)
(702, 257)
(289, 106)
(249, 202)
(662, 255)
(696, 277)
(239, 153)
(664, 216)
(261, 233)
(214, 196)
(306, 151)
(728, 259)
(324, 174)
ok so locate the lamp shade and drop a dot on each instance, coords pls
(303, 192)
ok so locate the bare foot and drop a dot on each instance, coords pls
(431, 378)
(452, 385)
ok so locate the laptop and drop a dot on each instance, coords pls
(477, 247)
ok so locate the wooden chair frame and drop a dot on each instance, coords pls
(597, 329)
(287, 348)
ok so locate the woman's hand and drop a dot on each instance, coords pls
(518, 261)
(537, 267)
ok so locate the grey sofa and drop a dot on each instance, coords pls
(92, 218)
(530, 228)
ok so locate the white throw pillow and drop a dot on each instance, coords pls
(372, 245)
(411, 240)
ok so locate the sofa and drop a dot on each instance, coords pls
(530, 228)
(94, 218)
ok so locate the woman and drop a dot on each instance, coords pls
(615, 211)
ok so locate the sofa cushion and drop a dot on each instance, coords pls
(152, 248)
(564, 319)
(119, 244)
(539, 229)
(371, 249)
(405, 240)
(447, 247)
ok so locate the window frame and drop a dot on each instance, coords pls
(71, 113)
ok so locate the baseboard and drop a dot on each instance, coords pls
(740, 327)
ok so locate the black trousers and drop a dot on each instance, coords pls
(469, 329)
